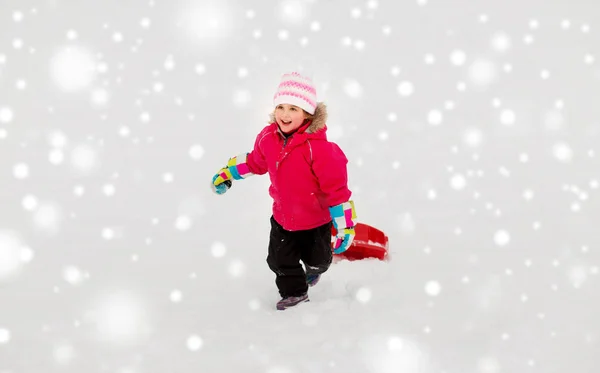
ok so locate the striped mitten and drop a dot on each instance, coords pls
(236, 169)
(344, 220)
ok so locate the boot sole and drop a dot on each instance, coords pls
(281, 308)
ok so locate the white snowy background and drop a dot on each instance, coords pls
(472, 131)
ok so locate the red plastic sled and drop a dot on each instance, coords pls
(369, 242)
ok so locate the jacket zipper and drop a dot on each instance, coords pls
(285, 140)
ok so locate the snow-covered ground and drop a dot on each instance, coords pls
(472, 130)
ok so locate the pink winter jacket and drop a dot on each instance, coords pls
(308, 173)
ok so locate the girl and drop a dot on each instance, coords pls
(309, 187)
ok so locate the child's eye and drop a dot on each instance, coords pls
(293, 109)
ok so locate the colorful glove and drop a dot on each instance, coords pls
(236, 169)
(221, 188)
(344, 220)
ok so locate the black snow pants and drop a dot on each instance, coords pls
(288, 248)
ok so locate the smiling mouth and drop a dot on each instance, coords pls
(286, 123)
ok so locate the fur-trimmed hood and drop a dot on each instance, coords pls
(319, 118)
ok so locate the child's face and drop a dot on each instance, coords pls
(289, 117)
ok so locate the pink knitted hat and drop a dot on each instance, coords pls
(298, 90)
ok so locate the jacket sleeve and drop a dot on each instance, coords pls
(256, 160)
(329, 165)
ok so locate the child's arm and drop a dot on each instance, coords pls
(329, 165)
(240, 167)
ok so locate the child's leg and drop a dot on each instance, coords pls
(316, 249)
(284, 260)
